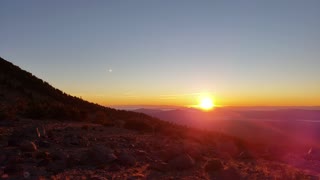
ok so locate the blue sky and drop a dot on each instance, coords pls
(235, 51)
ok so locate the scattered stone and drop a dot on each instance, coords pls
(42, 155)
(126, 159)
(181, 162)
(169, 153)
(99, 155)
(213, 165)
(26, 174)
(41, 131)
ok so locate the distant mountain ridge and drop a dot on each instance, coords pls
(264, 124)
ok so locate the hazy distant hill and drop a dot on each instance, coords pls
(298, 125)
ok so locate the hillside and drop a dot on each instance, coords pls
(24, 95)
(47, 134)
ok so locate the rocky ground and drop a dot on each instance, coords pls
(34, 149)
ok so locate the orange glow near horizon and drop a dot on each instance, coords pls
(195, 100)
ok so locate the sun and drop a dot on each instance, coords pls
(206, 103)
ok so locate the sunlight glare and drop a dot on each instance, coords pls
(206, 103)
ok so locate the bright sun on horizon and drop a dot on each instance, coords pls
(206, 103)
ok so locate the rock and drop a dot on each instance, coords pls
(42, 155)
(181, 162)
(229, 147)
(126, 159)
(26, 133)
(41, 132)
(28, 146)
(26, 174)
(169, 153)
(98, 155)
(194, 150)
(213, 165)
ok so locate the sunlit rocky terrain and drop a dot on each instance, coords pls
(47, 134)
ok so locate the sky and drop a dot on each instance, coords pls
(169, 52)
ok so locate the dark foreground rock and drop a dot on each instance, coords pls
(182, 162)
(213, 166)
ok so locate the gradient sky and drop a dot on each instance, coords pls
(169, 52)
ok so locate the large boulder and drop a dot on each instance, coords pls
(28, 146)
(170, 152)
(229, 148)
(98, 155)
(126, 159)
(181, 162)
(213, 165)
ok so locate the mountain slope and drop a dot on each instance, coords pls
(24, 95)
(47, 134)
